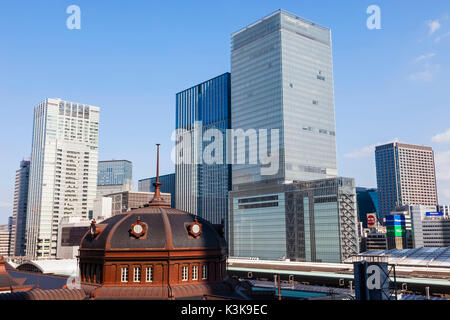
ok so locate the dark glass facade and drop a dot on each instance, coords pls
(19, 219)
(202, 188)
(367, 203)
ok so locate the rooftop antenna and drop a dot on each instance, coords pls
(157, 200)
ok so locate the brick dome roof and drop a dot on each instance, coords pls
(165, 229)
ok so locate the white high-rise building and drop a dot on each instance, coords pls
(63, 173)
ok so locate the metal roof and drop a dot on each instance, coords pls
(65, 267)
(427, 257)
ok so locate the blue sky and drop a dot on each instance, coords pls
(132, 57)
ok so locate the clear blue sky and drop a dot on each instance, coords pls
(132, 57)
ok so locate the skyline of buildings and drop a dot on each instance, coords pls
(282, 79)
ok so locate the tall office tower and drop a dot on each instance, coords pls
(405, 176)
(168, 186)
(63, 172)
(202, 184)
(114, 176)
(18, 240)
(282, 78)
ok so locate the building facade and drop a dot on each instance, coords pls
(202, 183)
(396, 232)
(71, 231)
(314, 221)
(102, 208)
(168, 186)
(114, 176)
(405, 176)
(21, 184)
(124, 201)
(63, 171)
(431, 228)
(282, 78)
(367, 199)
(376, 241)
(4, 240)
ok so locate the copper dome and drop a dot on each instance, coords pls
(164, 229)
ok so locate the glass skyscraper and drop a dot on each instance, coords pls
(201, 188)
(63, 171)
(282, 78)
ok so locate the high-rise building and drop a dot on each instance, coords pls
(4, 240)
(405, 176)
(301, 221)
(63, 172)
(367, 203)
(114, 176)
(282, 81)
(168, 186)
(282, 78)
(202, 185)
(19, 219)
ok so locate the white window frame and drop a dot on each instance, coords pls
(185, 273)
(136, 274)
(124, 274)
(149, 274)
(205, 272)
(194, 272)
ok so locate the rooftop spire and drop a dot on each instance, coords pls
(157, 200)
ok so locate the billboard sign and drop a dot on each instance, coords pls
(371, 220)
(371, 280)
(434, 214)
